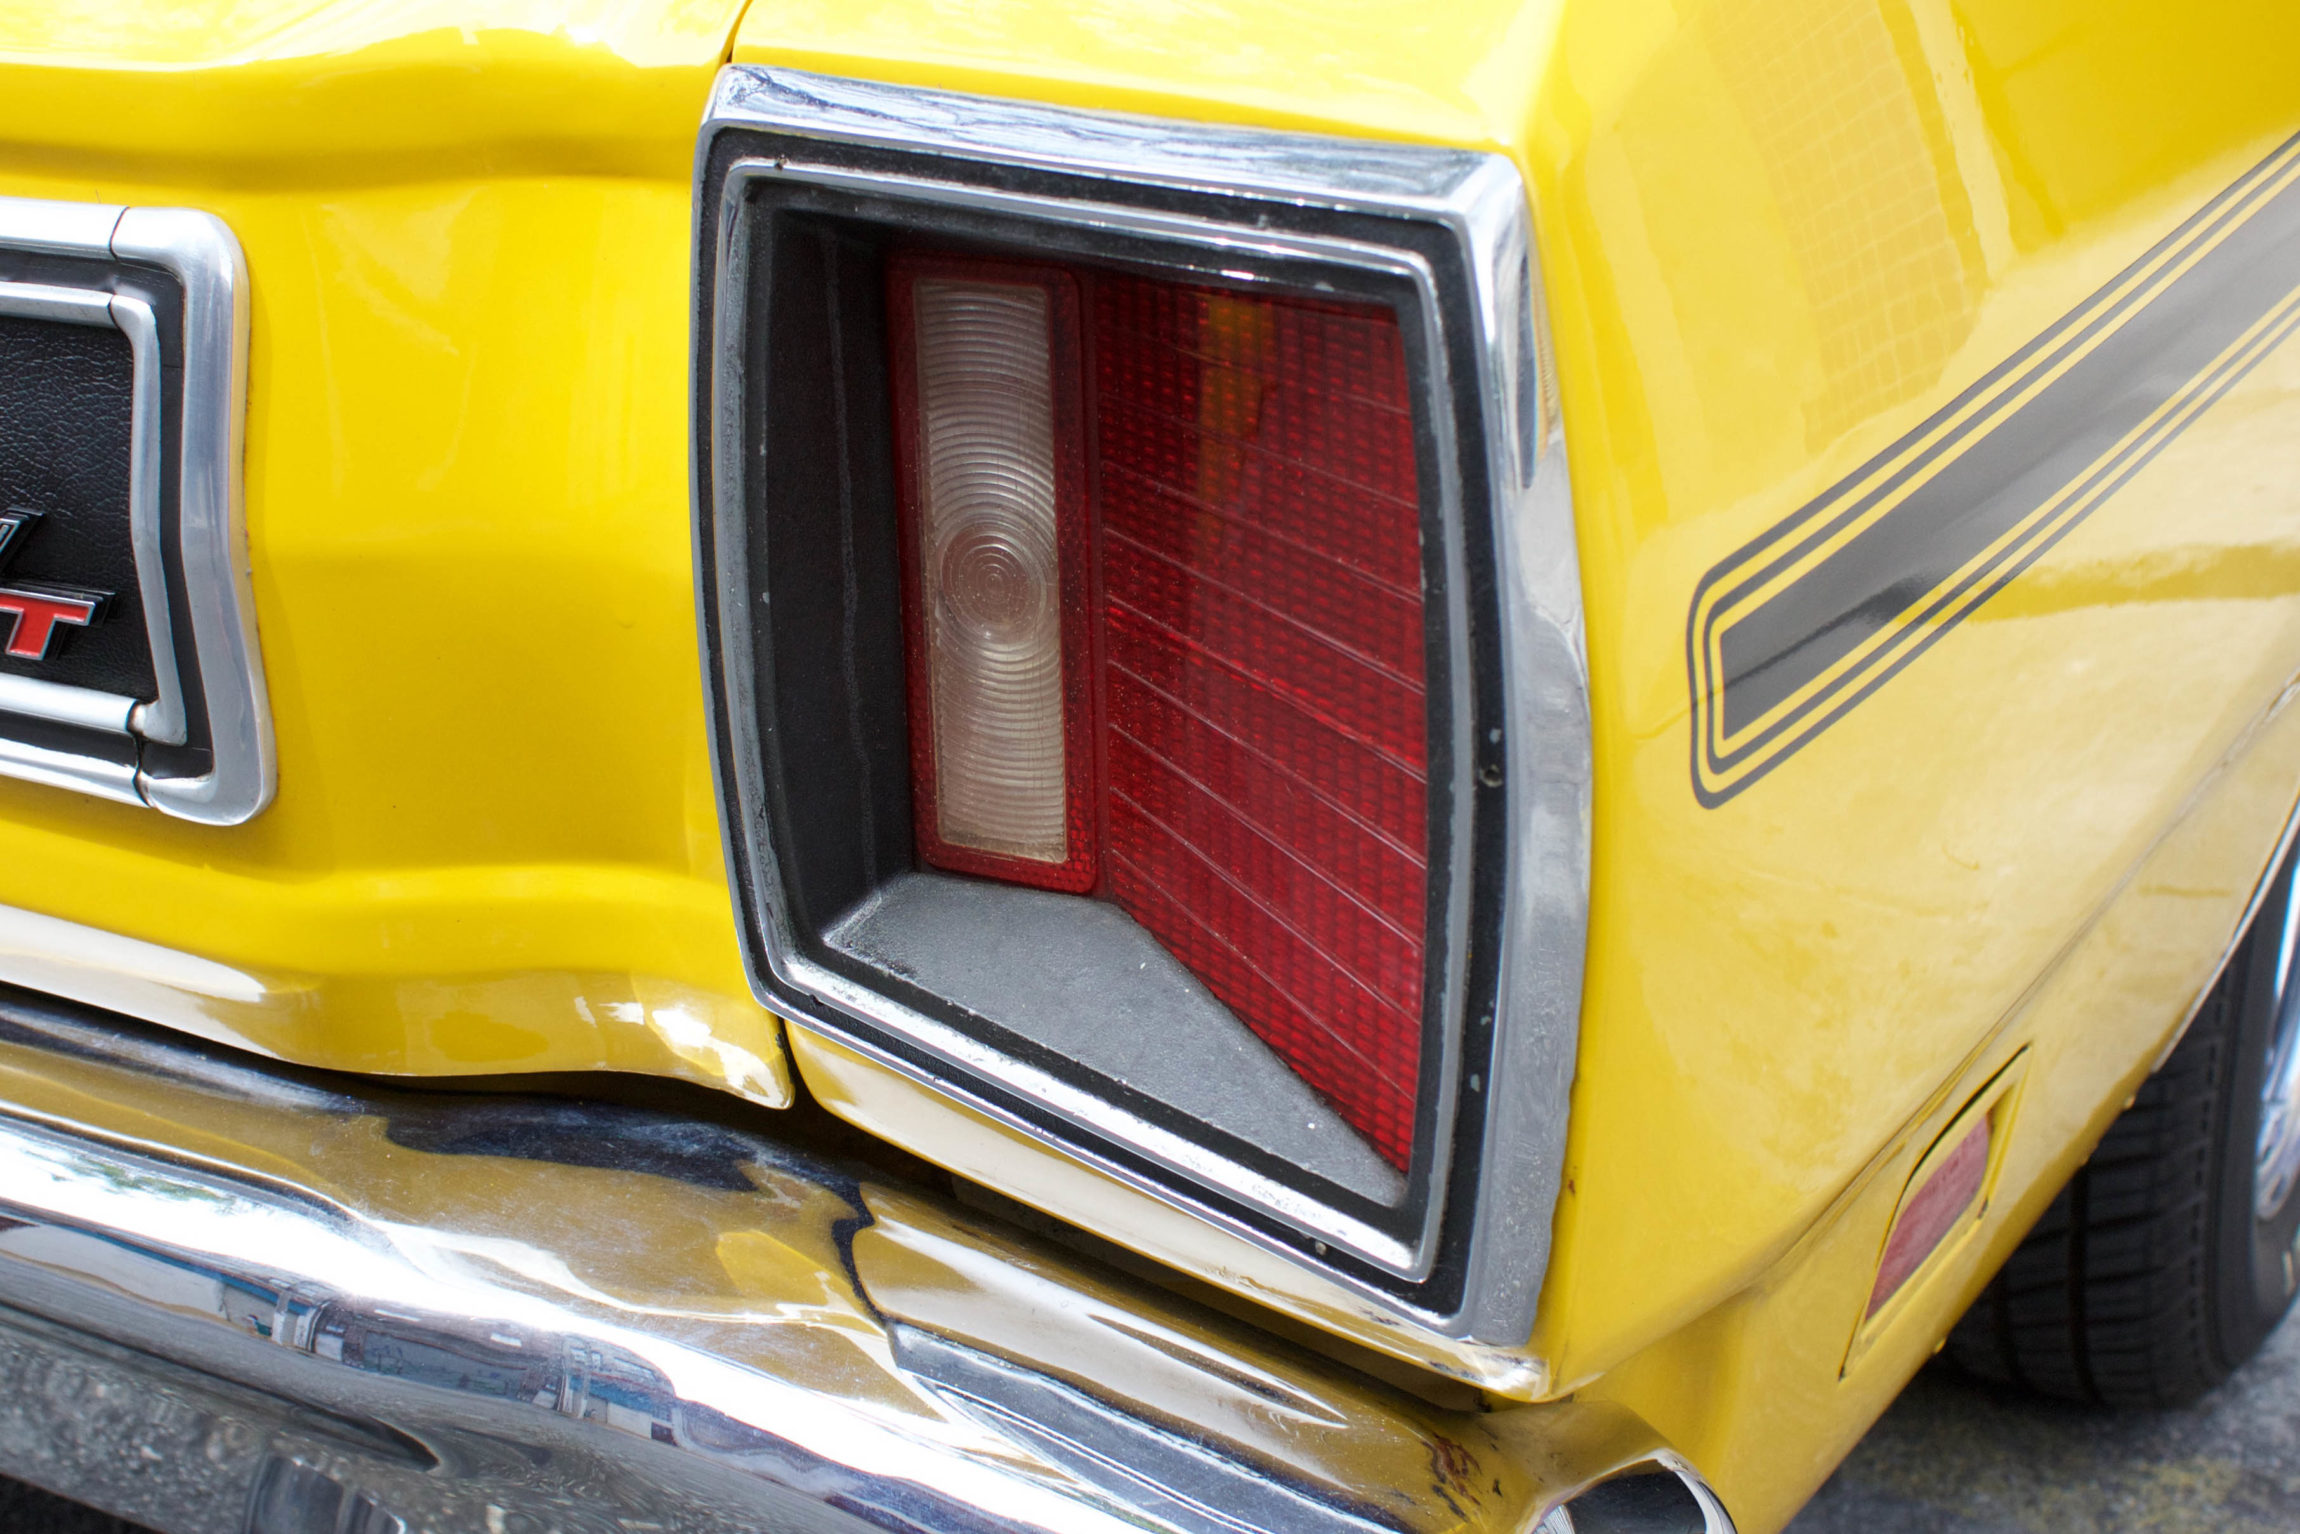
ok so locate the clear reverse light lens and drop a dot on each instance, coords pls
(990, 567)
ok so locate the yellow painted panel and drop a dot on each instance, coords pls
(1777, 234)
(328, 93)
(468, 231)
(1777, 983)
(1758, 1390)
(1459, 73)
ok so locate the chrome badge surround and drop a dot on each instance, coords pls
(216, 682)
(1503, 1088)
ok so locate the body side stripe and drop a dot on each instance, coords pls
(1803, 622)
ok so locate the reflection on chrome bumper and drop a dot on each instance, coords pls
(237, 1298)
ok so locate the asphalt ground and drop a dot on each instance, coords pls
(29, 1510)
(1952, 1457)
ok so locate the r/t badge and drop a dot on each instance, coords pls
(35, 609)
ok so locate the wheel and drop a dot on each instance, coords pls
(2168, 1258)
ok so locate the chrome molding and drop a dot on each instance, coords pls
(1546, 921)
(1519, 1088)
(1210, 157)
(235, 1296)
(62, 769)
(81, 706)
(162, 718)
(1663, 1495)
(198, 252)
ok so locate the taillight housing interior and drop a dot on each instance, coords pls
(1162, 557)
(1144, 663)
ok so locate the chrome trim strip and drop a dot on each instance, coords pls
(1545, 924)
(59, 703)
(58, 228)
(204, 258)
(63, 769)
(463, 1311)
(1715, 1519)
(1087, 1109)
(161, 719)
(1546, 753)
(1367, 175)
(1696, 1510)
(44, 301)
(1243, 239)
(211, 532)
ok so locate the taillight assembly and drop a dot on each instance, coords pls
(1144, 659)
(1162, 590)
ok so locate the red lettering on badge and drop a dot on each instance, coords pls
(36, 615)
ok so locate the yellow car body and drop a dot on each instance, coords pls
(1994, 867)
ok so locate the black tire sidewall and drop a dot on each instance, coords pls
(2253, 1258)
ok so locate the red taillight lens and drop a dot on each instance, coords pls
(1261, 567)
(1258, 799)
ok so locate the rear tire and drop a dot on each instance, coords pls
(2168, 1258)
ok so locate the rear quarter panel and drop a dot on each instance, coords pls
(1779, 235)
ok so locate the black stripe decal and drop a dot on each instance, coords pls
(1795, 628)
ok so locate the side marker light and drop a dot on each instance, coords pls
(1932, 1212)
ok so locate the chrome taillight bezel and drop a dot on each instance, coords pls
(1445, 235)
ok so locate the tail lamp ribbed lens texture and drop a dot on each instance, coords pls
(1253, 664)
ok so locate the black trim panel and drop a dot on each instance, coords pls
(1791, 631)
(66, 421)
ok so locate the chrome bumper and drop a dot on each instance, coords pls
(250, 1300)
